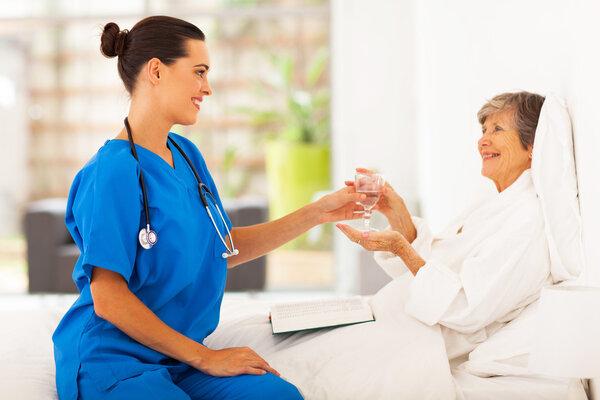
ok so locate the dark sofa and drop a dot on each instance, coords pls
(52, 254)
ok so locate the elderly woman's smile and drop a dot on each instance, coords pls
(504, 156)
(487, 156)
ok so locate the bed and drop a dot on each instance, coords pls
(27, 367)
(369, 363)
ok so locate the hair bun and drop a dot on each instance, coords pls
(113, 40)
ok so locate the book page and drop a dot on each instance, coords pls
(295, 316)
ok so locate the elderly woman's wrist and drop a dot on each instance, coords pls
(412, 234)
(408, 230)
(399, 246)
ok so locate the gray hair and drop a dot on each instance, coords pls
(526, 107)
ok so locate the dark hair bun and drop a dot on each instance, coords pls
(112, 42)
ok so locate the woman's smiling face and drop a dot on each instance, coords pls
(186, 83)
(503, 156)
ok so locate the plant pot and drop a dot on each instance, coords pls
(295, 172)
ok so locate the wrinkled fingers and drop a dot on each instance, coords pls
(351, 233)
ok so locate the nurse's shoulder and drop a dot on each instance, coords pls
(113, 161)
(112, 168)
(109, 181)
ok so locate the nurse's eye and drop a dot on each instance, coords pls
(201, 73)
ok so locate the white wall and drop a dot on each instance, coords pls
(14, 136)
(469, 51)
(409, 77)
(373, 88)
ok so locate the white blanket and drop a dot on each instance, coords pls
(410, 365)
(482, 270)
(396, 357)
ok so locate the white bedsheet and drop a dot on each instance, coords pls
(396, 357)
(473, 387)
(26, 352)
(27, 366)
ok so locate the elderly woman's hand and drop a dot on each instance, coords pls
(392, 205)
(373, 241)
(392, 241)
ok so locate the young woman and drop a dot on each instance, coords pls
(156, 243)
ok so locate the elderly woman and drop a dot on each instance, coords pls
(492, 261)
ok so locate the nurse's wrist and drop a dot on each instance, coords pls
(199, 357)
(315, 214)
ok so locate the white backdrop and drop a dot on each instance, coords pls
(373, 107)
(13, 135)
(413, 73)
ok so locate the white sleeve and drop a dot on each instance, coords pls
(392, 264)
(495, 279)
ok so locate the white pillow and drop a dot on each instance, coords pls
(512, 340)
(555, 181)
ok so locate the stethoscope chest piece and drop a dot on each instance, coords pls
(147, 238)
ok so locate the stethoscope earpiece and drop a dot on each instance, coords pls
(234, 252)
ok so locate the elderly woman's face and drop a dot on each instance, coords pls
(503, 156)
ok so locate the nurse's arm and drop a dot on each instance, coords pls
(257, 240)
(114, 302)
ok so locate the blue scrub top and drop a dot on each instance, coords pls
(181, 278)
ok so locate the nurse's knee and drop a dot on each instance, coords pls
(278, 388)
(150, 385)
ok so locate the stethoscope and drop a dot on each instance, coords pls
(147, 236)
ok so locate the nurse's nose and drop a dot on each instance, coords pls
(206, 89)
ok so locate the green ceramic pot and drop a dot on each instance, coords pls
(295, 172)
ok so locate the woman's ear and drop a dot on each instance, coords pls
(153, 70)
(530, 150)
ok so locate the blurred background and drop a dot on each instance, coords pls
(304, 92)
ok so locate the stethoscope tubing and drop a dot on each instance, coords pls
(131, 144)
(230, 252)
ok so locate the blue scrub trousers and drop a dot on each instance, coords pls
(192, 384)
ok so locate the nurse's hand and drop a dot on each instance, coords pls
(340, 206)
(234, 361)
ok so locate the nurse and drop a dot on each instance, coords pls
(156, 243)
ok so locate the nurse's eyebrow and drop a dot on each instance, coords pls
(202, 65)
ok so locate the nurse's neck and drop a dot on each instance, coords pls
(149, 129)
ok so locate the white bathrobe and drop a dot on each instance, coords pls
(482, 270)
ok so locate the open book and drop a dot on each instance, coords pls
(301, 315)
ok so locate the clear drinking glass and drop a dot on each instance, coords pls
(371, 185)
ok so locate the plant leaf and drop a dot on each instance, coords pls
(316, 67)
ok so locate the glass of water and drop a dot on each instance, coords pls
(371, 185)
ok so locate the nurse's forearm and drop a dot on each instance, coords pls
(114, 302)
(257, 240)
